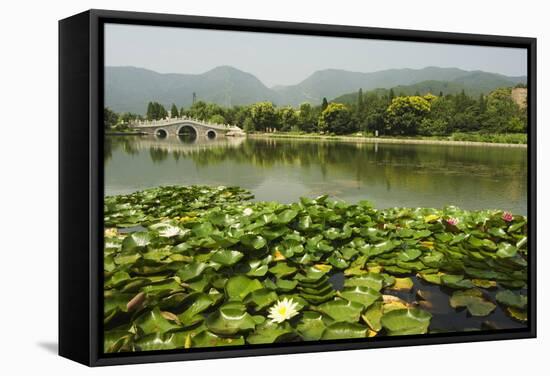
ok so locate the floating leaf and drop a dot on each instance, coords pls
(402, 284)
(253, 241)
(372, 316)
(191, 271)
(136, 241)
(473, 300)
(240, 286)
(363, 295)
(154, 322)
(261, 298)
(342, 310)
(517, 314)
(208, 339)
(506, 250)
(282, 269)
(311, 326)
(344, 330)
(371, 280)
(456, 281)
(226, 257)
(406, 321)
(268, 332)
(511, 299)
(230, 319)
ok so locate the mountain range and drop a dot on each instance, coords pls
(129, 89)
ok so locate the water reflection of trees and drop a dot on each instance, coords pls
(416, 168)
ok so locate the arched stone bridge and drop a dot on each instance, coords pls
(183, 125)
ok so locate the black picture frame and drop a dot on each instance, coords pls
(81, 183)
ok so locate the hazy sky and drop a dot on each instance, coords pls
(279, 59)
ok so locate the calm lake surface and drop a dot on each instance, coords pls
(471, 177)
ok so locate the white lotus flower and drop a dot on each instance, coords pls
(283, 310)
(248, 211)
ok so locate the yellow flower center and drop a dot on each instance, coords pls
(282, 310)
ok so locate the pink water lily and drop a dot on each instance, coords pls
(507, 216)
(452, 221)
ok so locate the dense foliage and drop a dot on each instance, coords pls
(198, 266)
(387, 114)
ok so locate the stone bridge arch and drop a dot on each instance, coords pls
(178, 128)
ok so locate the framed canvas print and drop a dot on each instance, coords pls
(236, 187)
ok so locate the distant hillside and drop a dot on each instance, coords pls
(130, 88)
(474, 84)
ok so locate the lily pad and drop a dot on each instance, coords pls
(342, 310)
(371, 280)
(511, 299)
(230, 319)
(268, 332)
(311, 326)
(473, 300)
(406, 321)
(344, 330)
(208, 339)
(238, 287)
(226, 257)
(363, 295)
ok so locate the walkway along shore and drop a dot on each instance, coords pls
(381, 140)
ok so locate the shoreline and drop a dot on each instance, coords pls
(381, 140)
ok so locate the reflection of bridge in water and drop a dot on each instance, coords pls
(183, 145)
(186, 126)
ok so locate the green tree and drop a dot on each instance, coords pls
(110, 118)
(263, 116)
(503, 114)
(307, 118)
(217, 119)
(360, 100)
(324, 104)
(288, 118)
(405, 114)
(336, 118)
(156, 111)
(174, 111)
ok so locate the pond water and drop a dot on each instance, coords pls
(471, 177)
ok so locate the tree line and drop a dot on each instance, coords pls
(386, 114)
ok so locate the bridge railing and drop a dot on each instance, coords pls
(170, 121)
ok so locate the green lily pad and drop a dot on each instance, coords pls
(342, 310)
(344, 330)
(406, 321)
(506, 250)
(253, 241)
(372, 280)
(191, 271)
(238, 287)
(456, 281)
(136, 241)
(208, 339)
(261, 298)
(360, 294)
(154, 322)
(409, 254)
(282, 269)
(268, 332)
(230, 319)
(311, 326)
(473, 300)
(372, 316)
(511, 299)
(226, 257)
(402, 284)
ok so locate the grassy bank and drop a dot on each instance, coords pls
(199, 266)
(511, 140)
